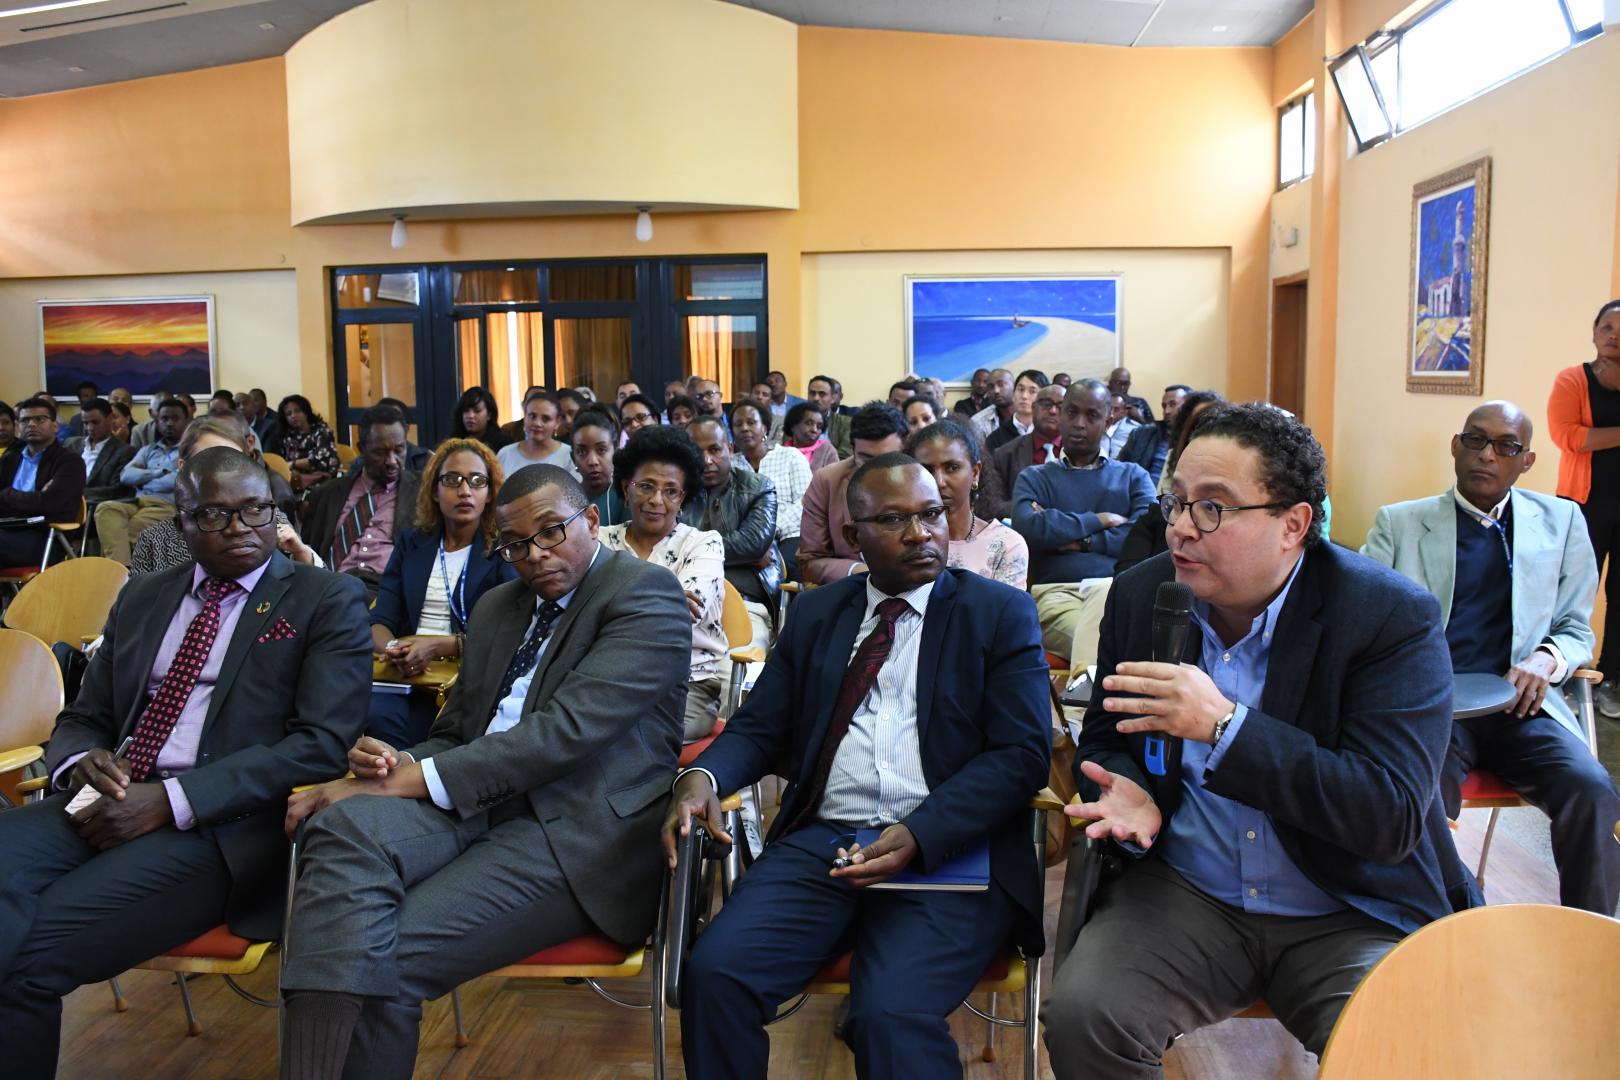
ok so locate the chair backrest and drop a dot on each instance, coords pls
(78, 522)
(346, 453)
(278, 465)
(33, 690)
(69, 601)
(1512, 990)
(734, 619)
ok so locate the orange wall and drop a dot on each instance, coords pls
(1294, 61)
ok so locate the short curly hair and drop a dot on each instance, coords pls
(428, 514)
(1292, 465)
(660, 445)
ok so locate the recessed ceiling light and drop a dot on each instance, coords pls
(75, 69)
(267, 26)
(57, 5)
(1219, 29)
(1004, 18)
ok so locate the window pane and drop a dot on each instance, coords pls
(1585, 14)
(1290, 144)
(613, 282)
(517, 357)
(1309, 165)
(724, 348)
(1386, 73)
(381, 359)
(511, 286)
(592, 352)
(1356, 91)
(729, 281)
(1469, 45)
(377, 290)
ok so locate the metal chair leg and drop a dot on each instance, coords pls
(120, 1002)
(1485, 848)
(660, 988)
(193, 1027)
(1032, 1017)
(462, 1040)
(989, 1051)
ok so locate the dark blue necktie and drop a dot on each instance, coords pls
(528, 653)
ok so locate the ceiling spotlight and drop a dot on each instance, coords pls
(75, 69)
(267, 26)
(396, 236)
(643, 224)
(1219, 29)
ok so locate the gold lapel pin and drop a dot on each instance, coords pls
(263, 607)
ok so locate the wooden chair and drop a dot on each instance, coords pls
(1506, 991)
(218, 952)
(739, 630)
(69, 601)
(1483, 790)
(346, 454)
(57, 533)
(33, 699)
(278, 465)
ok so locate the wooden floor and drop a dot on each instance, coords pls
(527, 1029)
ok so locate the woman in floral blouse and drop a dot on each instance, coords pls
(306, 443)
(988, 548)
(658, 471)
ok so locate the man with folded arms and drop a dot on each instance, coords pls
(826, 553)
(220, 685)
(1514, 573)
(42, 478)
(1275, 796)
(529, 816)
(912, 700)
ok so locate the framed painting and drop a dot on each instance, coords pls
(1053, 323)
(1445, 351)
(153, 346)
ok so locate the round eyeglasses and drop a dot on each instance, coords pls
(1206, 513)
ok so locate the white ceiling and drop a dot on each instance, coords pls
(105, 41)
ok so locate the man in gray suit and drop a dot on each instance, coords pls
(1515, 577)
(529, 816)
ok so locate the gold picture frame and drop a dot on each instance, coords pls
(1445, 339)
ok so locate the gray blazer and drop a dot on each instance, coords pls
(104, 481)
(596, 749)
(1555, 574)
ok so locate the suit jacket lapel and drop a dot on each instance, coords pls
(257, 609)
(1293, 646)
(514, 619)
(583, 594)
(153, 626)
(1437, 547)
(1529, 539)
(941, 602)
(828, 676)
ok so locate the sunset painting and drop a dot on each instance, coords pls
(152, 346)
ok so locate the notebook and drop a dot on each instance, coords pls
(969, 871)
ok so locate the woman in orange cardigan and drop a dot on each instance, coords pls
(1583, 418)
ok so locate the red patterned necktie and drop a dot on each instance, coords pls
(353, 526)
(859, 677)
(163, 711)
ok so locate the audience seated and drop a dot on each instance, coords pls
(978, 396)
(740, 505)
(660, 470)
(710, 402)
(1149, 444)
(1275, 801)
(103, 454)
(636, 412)
(596, 437)
(920, 410)
(1021, 421)
(804, 432)
(938, 734)
(353, 521)
(1000, 408)
(542, 417)
(477, 416)
(783, 466)
(529, 816)
(416, 457)
(121, 421)
(902, 391)
(949, 450)
(163, 546)
(624, 390)
(759, 395)
(151, 473)
(1042, 444)
(8, 429)
(681, 410)
(569, 402)
(826, 551)
(1119, 429)
(222, 403)
(74, 428)
(218, 688)
(42, 479)
(1075, 512)
(1147, 537)
(1137, 409)
(256, 413)
(1515, 576)
(781, 400)
(828, 395)
(434, 579)
(307, 443)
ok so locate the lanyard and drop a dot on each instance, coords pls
(457, 597)
(1507, 549)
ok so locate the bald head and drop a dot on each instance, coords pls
(1507, 415)
(1119, 380)
(1500, 453)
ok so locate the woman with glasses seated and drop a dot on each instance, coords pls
(659, 470)
(434, 579)
(161, 546)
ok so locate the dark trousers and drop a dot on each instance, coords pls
(1552, 768)
(917, 956)
(400, 720)
(1157, 958)
(23, 546)
(70, 916)
(1603, 525)
(399, 902)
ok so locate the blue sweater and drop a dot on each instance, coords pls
(1070, 501)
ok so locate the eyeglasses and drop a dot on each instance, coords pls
(476, 481)
(547, 538)
(899, 523)
(706, 394)
(218, 518)
(37, 418)
(1206, 513)
(647, 489)
(1474, 441)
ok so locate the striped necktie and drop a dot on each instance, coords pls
(353, 526)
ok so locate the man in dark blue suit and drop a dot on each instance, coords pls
(937, 732)
(1293, 831)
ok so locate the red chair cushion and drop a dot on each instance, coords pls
(218, 944)
(838, 970)
(590, 949)
(18, 572)
(1480, 784)
(690, 752)
(1056, 662)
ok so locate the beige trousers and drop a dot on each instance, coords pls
(1071, 617)
(119, 523)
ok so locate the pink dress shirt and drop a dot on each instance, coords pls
(376, 544)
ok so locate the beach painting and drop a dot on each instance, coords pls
(152, 346)
(1446, 341)
(955, 325)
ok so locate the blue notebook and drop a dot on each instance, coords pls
(969, 871)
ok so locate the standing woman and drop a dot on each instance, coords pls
(306, 443)
(478, 417)
(539, 446)
(990, 549)
(803, 428)
(660, 470)
(1583, 419)
(434, 579)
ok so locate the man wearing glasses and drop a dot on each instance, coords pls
(1515, 576)
(354, 520)
(1274, 798)
(43, 479)
(529, 816)
(220, 685)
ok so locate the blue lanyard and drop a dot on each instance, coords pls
(456, 597)
(1507, 549)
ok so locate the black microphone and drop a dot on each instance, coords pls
(1172, 619)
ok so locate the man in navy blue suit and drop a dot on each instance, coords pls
(914, 700)
(1292, 831)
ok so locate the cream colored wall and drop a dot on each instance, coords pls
(1293, 60)
(1174, 324)
(255, 319)
(1291, 209)
(1554, 175)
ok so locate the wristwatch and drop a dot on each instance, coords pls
(1085, 544)
(1220, 727)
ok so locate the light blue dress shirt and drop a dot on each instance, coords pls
(1224, 848)
(27, 470)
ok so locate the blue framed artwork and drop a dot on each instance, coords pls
(955, 325)
(1450, 233)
